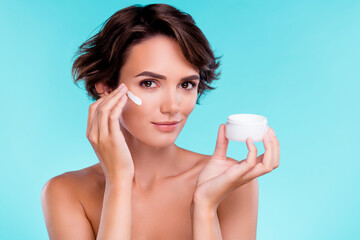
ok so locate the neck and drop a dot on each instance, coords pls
(152, 164)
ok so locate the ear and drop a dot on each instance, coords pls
(102, 89)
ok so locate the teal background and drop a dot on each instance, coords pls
(295, 62)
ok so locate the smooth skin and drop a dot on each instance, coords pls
(115, 159)
(145, 186)
(105, 136)
(221, 176)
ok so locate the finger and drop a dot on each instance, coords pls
(264, 162)
(252, 154)
(255, 172)
(94, 130)
(243, 167)
(272, 147)
(222, 185)
(268, 160)
(221, 143)
(106, 107)
(276, 148)
(237, 173)
(114, 124)
(92, 110)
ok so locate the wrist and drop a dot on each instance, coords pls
(116, 175)
(203, 213)
(202, 207)
(203, 203)
(122, 180)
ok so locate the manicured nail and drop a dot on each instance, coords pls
(267, 138)
(272, 132)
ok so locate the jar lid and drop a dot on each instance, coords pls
(247, 119)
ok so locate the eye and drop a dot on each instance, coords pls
(186, 85)
(146, 84)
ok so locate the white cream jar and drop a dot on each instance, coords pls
(241, 126)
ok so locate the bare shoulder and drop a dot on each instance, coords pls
(72, 183)
(200, 160)
(73, 176)
(63, 210)
(238, 212)
(195, 159)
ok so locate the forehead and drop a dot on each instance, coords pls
(158, 54)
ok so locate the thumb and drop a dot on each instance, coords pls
(221, 143)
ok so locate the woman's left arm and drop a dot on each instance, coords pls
(205, 222)
(222, 175)
(236, 214)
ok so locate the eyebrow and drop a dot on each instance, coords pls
(159, 76)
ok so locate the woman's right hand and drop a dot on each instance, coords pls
(105, 136)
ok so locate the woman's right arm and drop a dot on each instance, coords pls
(64, 215)
(107, 140)
(116, 212)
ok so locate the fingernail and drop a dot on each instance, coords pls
(267, 138)
(272, 132)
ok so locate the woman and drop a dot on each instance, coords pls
(144, 186)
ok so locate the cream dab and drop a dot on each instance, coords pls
(134, 98)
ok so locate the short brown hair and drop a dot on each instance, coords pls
(100, 58)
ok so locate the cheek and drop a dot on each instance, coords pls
(189, 104)
(133, 114)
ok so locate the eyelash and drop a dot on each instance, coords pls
(152, 80)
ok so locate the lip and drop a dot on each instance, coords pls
(166, 126)
(166, 123)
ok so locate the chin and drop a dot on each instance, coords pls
(159, 139)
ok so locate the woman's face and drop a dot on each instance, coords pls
(166, 97)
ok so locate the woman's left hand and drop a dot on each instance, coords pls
(220, 176)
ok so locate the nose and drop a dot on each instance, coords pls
(170, 102)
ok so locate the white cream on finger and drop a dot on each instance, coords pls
(134, 98)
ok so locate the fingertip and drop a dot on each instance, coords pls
(266, 140)
(221, 127)
(249, 144)
(124, 98)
